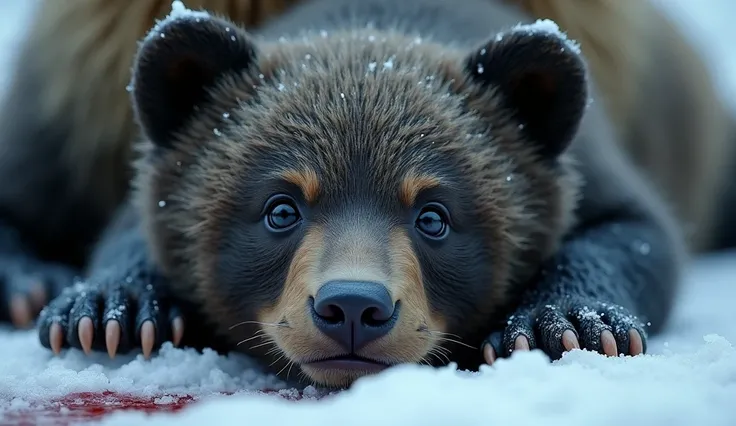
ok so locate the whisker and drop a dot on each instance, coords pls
(288, 365)
(267, 324)
(442, 333)
(442, 356)
(438, 337)
(261, 335)
(425, 360)
(275, 349)
(442, 349)
(269, 342)
(277, 360)
(291, 364)
(445, 339)
(304, 376)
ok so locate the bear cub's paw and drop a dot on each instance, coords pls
(114, 311)
(26, 285)
(567, 323)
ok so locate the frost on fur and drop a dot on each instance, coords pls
(178, 11)
(544, 26)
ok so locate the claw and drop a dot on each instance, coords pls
(20, 311)
(636, 344)
(489, 355)
(112, 337)
(521, 344)
(609, 343)
(37, 295)
(148, 337)
(86, 332)
(177, 328)
(570, 341)
(56, 338)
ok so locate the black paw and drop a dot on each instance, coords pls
(26, 285)
(117, 313)
(571, 324)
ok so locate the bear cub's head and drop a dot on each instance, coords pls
(344, 202)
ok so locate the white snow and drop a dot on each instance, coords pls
(689, 377)
(548, 27)
(178, 11)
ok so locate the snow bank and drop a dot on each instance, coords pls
(30, 373)
(582, 389)
(688, 388)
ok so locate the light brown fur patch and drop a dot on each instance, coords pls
(413, 184)
(417, 334)
(414, 339)
(301, 338)
(307, 181)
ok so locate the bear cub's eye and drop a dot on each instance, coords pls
(432, 221)
(282, 213)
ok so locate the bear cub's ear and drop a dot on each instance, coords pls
(541, 78)
(177, 62)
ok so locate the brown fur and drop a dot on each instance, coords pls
(526, 207)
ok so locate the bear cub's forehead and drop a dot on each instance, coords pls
(362, 104)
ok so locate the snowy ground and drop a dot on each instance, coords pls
(689, 377)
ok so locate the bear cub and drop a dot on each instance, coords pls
(365, 184)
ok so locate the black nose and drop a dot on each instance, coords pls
(354, 313)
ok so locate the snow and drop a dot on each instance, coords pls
(178, 11)
(546, 27)
(689, 377)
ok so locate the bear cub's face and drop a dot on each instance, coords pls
(345, 203)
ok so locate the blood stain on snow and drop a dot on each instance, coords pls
(87, 406)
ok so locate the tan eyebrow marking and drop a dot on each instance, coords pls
(306, 179)
(414, 183)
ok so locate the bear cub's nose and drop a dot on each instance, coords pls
(354, 313)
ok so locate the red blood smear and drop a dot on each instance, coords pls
(87, 406)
